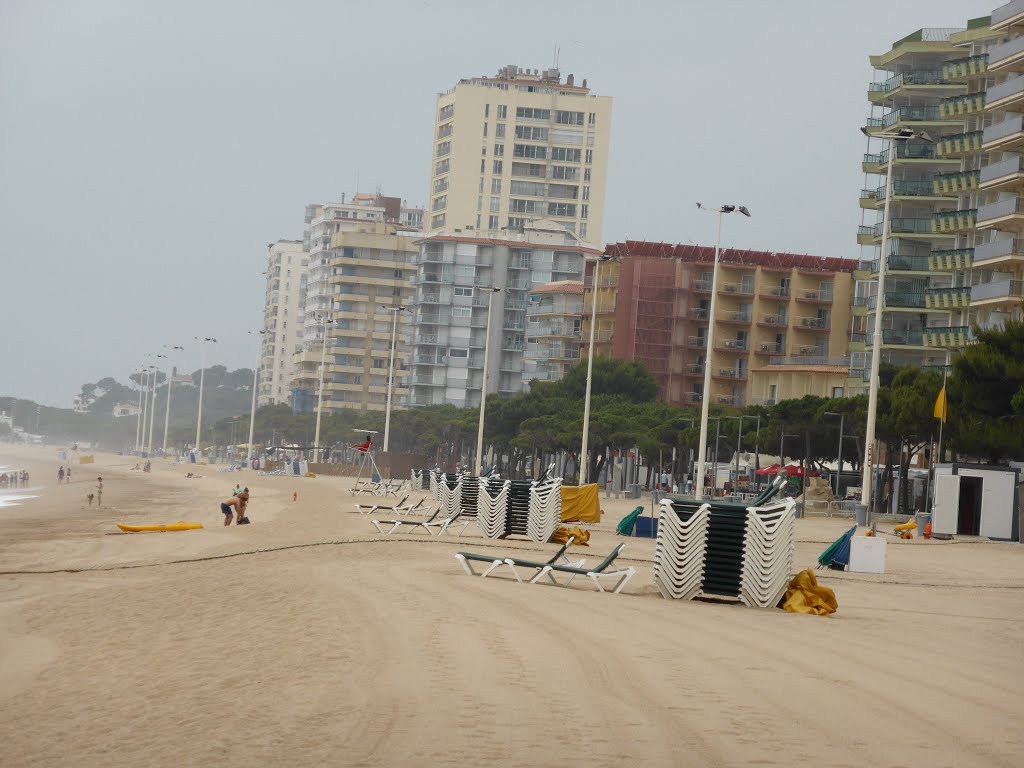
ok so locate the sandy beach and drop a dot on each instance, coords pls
(307, 639)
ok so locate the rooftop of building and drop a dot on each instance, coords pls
(560, 286)
(514, 74)
(541, 233)
(702, 254)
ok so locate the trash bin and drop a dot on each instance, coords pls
(633, 491)
(860, 513)
(656, 496)
(922, 519)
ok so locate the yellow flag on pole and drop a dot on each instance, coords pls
(940, 405)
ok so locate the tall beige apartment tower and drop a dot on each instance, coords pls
(516, 147)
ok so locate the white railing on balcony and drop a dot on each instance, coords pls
(1007, 167)
(1013, 86)
(994, 250)
(1008, 127)
(999, 209)
(1001, 289)
(1007, 11)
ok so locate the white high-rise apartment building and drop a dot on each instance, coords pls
(282, 320)
(518, 147)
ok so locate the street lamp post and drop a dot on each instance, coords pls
(904, 134)
(148, 403)
(202, 378)
(491, 290)
(152, 410)
(739, 440)
(705, 400)
(584, 459)
(138, 416)
(170, 379)
(255, 382)
(839, 459)
(391, 373)
(325, 320)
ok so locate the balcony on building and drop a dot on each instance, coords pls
(899, 337)
(899, 300)
(812, 324)
(947, 298)
(772, 320)
(962, 69)
(1006, 136)
(955, 183)
(1009, 292)
(1008, 96)
(734, 317)
(907, 154)
(950, 259)
(923, 191)
(922, 82)
(732, 345)
(1006, 57)
(952, 222)
(1005, 251)
(698, 313)
(736, 289)
(958, 144)
(769, 348)
(733, 401)
(814, 295)
(697, 342)
(702, 286)
(1008, 16)
(692, 398)
(1006, 215)
(1005, 175)
(947, 337)
(963, 105)
(694, 369)
(730, 373)
(910, 117)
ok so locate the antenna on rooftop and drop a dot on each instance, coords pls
(558, 50)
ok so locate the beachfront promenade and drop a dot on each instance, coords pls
(308, 639)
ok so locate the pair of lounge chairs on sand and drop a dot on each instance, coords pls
(436, 523)
(558, 563)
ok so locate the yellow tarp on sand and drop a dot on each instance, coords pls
(579, 503)
(804, 595)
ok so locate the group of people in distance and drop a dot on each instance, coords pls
(15, 479)
(235, 506)
(63, 476)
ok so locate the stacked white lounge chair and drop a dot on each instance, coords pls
(420, 480)
(449, 495)
(545, 510)
(492, 506)
(767, 554)
(680, 550)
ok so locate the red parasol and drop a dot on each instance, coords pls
(772, 470)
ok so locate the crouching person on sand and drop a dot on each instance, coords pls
(230, 508)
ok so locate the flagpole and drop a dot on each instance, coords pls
(942, 422)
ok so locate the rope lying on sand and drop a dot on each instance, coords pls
(503, 544)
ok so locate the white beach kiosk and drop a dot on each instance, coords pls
(977, 500)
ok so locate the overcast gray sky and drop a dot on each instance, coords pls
(150, 151)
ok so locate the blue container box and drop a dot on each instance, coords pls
(646, 527)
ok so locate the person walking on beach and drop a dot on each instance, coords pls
(67, 475)
(99, 491)
(60, 475)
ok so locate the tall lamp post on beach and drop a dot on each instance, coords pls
(147, 403)
(170, 378)
(867, 480)
(584, 459)
(391, 372)
(152, 409)
(202, 378)
(324, 320)
(839, 458)
(138, 416)
(491, 290)
(255, 382)
(705, 398)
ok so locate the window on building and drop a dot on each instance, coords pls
(514, 222)
(502, 111)
(837, 392)
(590, 156)
(499, 131)
(442, 167)
(483, 151)
(398, 274)
(565, 191)
(530, 113)
(497, 167)
(487, 110)
(444, 131)
(566, 172)
(445, 113)
(462, 311)
(586, 174)
(483, 165)
(496, 186)
(492, 222)
(584, 210)
(495, 203)
(562, 209)
(586, 193)
(535, 188)
(528, 150)
(458, 352)
(437, 221)
(528, 169)
(439, 203)
(568, 118)
(485, 130)
(444, 148)
(441, 185)
(565, 154)
(526, 206)
(531, 132)
(591, 119)
(583, 231)
(499, 150)
(462, 290)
